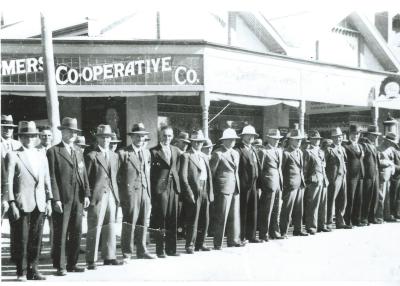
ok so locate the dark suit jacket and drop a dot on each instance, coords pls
(162, 171)
(355, 161)
(314, 166)
(371, 160)
(292, 170)
(271, 177)
(190, 173)
(130, 181)
(101, 176)
(334, 163)
(25, 188)
(396, 161)
(247, 167)
(62, 171)
(225, 171)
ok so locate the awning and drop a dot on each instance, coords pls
(252, 100)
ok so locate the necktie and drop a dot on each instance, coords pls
(140, 156)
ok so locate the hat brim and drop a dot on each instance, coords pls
(208, 146)
(8, 125)
(28, 133)
(255, 134)
(104, 134)
(296, 137)
(374, 133)
(69, 128)
(116, 141)
(226, 138)
(185, 140)
(138, 132)
(390, 140)
(336, 135)
(316, 138)
(82, 145)
(198, 140)
(275, 137)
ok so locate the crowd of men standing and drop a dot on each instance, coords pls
(238, 188)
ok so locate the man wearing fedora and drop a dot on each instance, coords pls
(114, 142)
(197, 192)
(102, 169)
(369, 143)
(71, 192)
(316, 181)
(224, 165)
(207, 148)
(7, 130)
(165, 189)
(336, 173)
(293, 185)
(355, 177)
(182, 141)
(395, 184)
(29, 195)
(249, 170)
(135, 194)
(271, 186)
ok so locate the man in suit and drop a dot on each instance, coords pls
(207, 148)
(316, 181)
(46, 138)
(71, 192)
(336, 173)
(355, 177)
(29, 195)
(369, 144)
(114, 142)
(293, 185)
(249, 170)
(395, 184)
(7, 143)
(271, 186)
(197, 193)
(165, 189)
(224, 165)
(135, 194)
(102, 168)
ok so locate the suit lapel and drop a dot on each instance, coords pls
(134, 159)
(229, 158)
(64, 153)
(193, 158)
(102, 160)
(25, 161)
(162, 155)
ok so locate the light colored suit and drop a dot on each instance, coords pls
(9, 145)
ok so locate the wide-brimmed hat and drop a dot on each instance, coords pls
(7, 121)
(249, 130)
(104, 130)
(295, 134)
(274, 133)
(197, 136)
(336, 132)
(27, 128)
(138, 128)
(114, 138)
(257, 142)
(372, 129)
(208, 143)
(353, 128)
(183, 136)
(69, 123)
(229, 133)
(391, 137)
(314, 134)
(81, 141)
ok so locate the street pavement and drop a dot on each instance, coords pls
(361, 254)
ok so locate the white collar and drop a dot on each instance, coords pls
(68, 146)
(102, 149)
(136, 149)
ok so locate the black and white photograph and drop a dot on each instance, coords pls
(181, 141)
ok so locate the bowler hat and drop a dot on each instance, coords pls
(27, 128)
(372, 129)
(81, 141)
(69, 123)
(229, 133)
(138, 128)
(104, 130)
(336, 132)
(314, 134)
(274, 133)
(249, 130)
(295, 134)
(208, 144)
(183, 136)
(197, 136)
(7, 121)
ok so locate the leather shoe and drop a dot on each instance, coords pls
(324, 229)
(236, 245)
(173, 254)
(202, 248)
(264, 239)
(21, 278)
(361, 224)
(244, 241)
(60, 272)
(91, 265)
(217, 247)
(276, 236)
(35, 275)
(161, 255)
(256, 240)
(300, 233)
(75, 269)
(391, 219)
(113, 262)
(146, 255)
(311, 232)
(344, 226)
(189, 250)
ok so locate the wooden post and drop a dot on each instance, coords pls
(376, 116)
(53, 112)
(205, 105)
(302, 112)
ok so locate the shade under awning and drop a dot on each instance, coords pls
(252, 100)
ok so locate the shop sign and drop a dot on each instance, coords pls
(121, 70)
(390, 88)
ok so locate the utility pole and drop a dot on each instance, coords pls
(53, 112)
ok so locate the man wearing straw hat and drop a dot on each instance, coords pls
(71, 192)
(336, 173)
(135, 194)
(102, 168)
(224, 165)
(293, 185)
(197, 191)
(207, 148)
(271, 186)
(29, 195)
(249, 170)
(6, 140)
(114, 142)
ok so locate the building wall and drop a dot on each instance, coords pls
(71, 107)
(368, 60)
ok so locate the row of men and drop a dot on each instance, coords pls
(231, 178)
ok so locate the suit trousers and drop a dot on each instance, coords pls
(369, 199)
(352, 214)
(197, 218)
(382, 211)
(337, 197)
(68, 232)
(27, 239)
(269, 213)
(395, 197)
(322, 208)
(248, 212)
(292, 206)
(312, 199)
(166, 211)
(101, 219)
(227, 215)
(135, 221)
